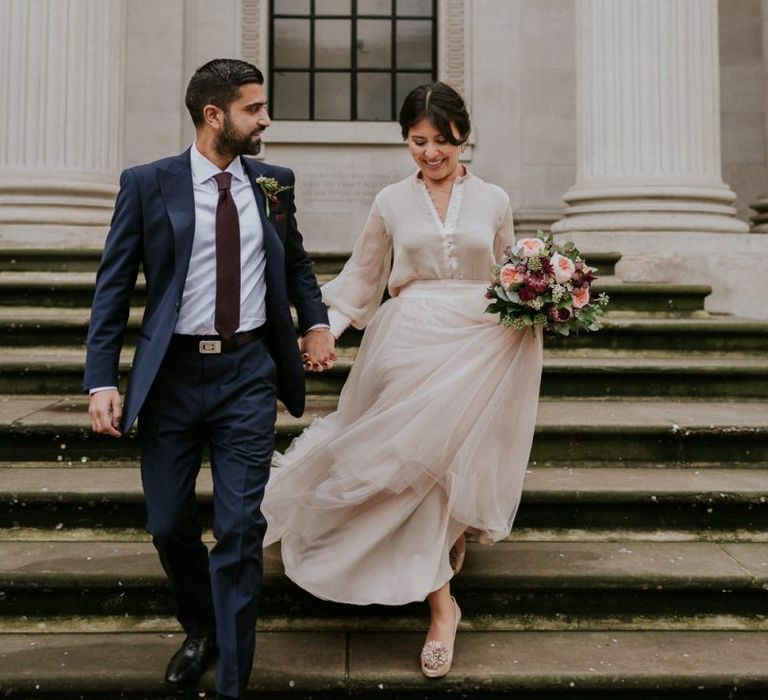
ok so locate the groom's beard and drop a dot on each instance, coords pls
(232, 143)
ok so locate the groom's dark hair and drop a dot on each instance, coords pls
(218, 83)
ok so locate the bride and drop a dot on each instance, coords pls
(434, 425)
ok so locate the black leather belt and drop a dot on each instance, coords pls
(215, 344)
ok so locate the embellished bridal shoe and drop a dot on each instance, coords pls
(457, 554)
(437, 656)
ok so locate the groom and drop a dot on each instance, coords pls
(216, 236)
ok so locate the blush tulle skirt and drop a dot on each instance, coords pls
(431, 436)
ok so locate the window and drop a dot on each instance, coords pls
(347, 60)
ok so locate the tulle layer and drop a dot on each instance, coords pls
(431, 436)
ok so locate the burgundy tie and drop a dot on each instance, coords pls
(227, 318)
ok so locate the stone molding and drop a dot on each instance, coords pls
(760, 220)
(528, 220)
(454, 51)
(648, 149)
(254, 21)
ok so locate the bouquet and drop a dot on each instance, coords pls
(542, 284)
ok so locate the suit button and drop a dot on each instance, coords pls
(178, 305)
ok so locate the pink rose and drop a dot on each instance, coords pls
(510, 275)
(563, 268)
(530, 246)
(580, 297)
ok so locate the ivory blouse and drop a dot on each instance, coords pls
(404, 240)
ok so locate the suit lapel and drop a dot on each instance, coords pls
(253, 171)
(274, 250)
(178, 195)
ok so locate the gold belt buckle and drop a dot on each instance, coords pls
(210, 347)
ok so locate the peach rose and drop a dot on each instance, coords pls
(510, 275)
(530, 246)
(580, 297)
(563, 268)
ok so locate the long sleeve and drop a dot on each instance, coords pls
(505, 234)
(355, 294)
(115, 282)
(303, 290)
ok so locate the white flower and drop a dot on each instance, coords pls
(559, 292)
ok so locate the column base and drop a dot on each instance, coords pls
(61, 199)
(669, 209)
(760, 220)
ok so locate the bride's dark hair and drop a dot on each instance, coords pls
(442, 105)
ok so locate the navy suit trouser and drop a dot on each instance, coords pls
(228, 402)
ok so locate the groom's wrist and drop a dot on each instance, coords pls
(318, 327)
(100, 388)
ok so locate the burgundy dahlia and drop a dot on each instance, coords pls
(577, 280)
(538, 281)
(559, 315)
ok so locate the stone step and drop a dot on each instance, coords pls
(50, 259)
(623, 579)
(25, 370)
(41, 326)
(715, 333)
(56, 428)
(75, 289)
(610, 664)
(525, 665)
(63, 499)
(87, 260)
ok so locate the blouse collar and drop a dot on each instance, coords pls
(461, 178)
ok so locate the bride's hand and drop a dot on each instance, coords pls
(318, 350)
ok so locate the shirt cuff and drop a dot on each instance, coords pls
(339, 322)
(100, 388)
(317, 327)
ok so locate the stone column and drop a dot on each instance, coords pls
(61, 95)
(648, 149)
(760, 220)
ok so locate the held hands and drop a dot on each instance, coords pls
(317, 349)
(106, 409)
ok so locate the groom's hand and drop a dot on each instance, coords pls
(318, 350)
(106, 410)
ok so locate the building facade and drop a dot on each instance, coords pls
(631, 125)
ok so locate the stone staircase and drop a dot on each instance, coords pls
(638, 567)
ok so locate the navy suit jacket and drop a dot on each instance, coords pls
(153, 226)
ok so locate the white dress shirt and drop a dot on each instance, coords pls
(198, 302)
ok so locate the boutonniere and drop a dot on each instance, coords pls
(271, 188)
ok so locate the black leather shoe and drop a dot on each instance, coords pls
(190, 661)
